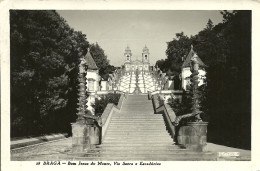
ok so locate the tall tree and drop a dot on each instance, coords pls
(177, 50)
(226, 49)
(45, 52)
(101, 61)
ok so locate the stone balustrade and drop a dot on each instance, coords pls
(108, 112)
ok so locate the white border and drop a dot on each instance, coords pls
(134, 5)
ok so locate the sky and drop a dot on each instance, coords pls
(113, 30)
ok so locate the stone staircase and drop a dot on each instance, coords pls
(136, 133)
(146, 82)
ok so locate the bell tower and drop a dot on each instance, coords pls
(145, 54)
(128, 54)
(128, 59)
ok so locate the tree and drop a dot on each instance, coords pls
(209, 25)
(226, 49)
(177, 50)
(45, 53)
(101, 61)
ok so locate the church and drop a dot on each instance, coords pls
(132, 65)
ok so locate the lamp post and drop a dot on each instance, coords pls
(195, 83)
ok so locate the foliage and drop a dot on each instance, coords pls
(182, 106)
(226, 49)
(45, 54)
(102, 101)
(101, 61)
(177, 49)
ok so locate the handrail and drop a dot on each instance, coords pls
(109, 91)
(108, 112)
(96, 118)
(166, 92)
(179, 118)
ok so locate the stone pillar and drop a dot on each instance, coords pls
(193, 136)
(194, 83)
(80, 141)
(79, 131)
(85, 134)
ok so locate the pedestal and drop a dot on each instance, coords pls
(193, 136)
(84, 137)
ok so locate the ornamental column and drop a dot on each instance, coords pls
(195, 83)
(79, 128)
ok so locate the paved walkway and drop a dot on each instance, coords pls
(243, 154)
(21, 142)
(56, 150)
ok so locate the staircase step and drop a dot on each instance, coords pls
(136, 139)
(123, 134)
(138, 144)
(143, 127)
(171, 148)
(143, 152)
(136, 134)
(134, 119)
(137, 123)
(145, 158)
(144, 142)
(148, 156)
(140, 137)
(140, 124)
(132, 130)
(118, 116)
(138, 130)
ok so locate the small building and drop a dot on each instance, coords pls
(93, 78)
(186, 73)
(132, 65)
(104, 85)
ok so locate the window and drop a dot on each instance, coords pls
(91, 85)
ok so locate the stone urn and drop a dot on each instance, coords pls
(193, 136)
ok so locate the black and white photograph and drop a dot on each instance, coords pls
(128, 87)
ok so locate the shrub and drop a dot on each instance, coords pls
(103, 100)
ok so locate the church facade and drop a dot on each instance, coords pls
(132, 65)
